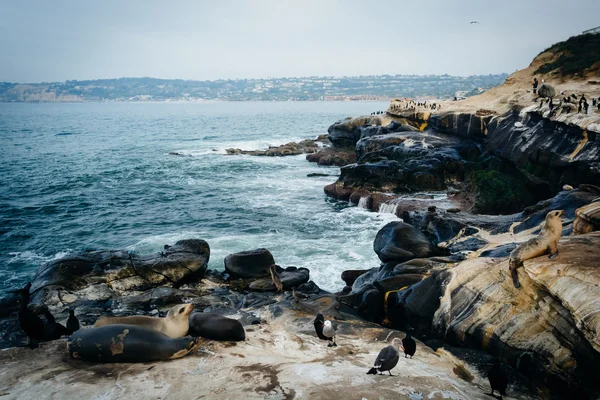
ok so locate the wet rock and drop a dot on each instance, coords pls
(249, 264)
(349, 276)
(400, 242)
(290, 278)
(332, 157)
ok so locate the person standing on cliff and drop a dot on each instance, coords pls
(535, 85)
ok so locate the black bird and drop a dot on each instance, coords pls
(387, 358)
(574, 96)
(72, 323)
(409, 346)
(30, 323)
(53, 330)
(498, 379)
(474, 22)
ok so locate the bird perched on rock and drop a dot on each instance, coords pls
(30, 323)
(498, 379)
(276, 278)
(409, 346)
(387, 358)
(325, 330)
(52, 329)
(72, 323)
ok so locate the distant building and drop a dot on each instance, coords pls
(593, 30)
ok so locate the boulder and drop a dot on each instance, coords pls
(546, 90)
(400, 242)
(249, 264)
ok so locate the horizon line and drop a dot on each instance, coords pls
(248, 79)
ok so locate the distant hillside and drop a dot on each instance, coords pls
(308, 88)
(579, 55)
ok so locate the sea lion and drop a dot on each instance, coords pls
(498, 379)
(30, 323)
(276, 278)
(175, 324)
(216, 327)
(127, 343)
(545, 242)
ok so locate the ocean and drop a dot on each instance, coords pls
(93, 176)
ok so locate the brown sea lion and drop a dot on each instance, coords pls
(545, 243)
(174, 325)
(128, 343)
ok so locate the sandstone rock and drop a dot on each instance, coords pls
(249, 264)
(588, 219)
(553, 319)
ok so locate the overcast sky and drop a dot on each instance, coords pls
(54, 40)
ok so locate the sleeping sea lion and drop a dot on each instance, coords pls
(127, 343)
(174, 325)
(545, 243)
(216, 327)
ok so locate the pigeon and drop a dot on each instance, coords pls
(325, 330)
(498, 379)
(387, 358)
(72, 323)
(409, 346)
(30, 323)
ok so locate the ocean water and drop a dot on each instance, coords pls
(75, 177)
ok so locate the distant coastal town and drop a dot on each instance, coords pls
(359, 88)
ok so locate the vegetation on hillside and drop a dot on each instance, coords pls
(575, 55)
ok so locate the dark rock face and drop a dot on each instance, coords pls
(399, 242)
(551, 152)
(411, 161)
(465, 124)
(249, 264)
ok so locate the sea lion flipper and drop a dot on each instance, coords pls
(553, 256)
(515, 278)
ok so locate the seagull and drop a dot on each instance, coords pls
(387, 358)
(474, 22)
(325, 330)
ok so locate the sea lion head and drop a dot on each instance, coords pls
(555, 214)
(180, 312)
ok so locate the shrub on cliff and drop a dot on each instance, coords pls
(493, 192)
(574, 55)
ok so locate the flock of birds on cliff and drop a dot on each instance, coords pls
(37, 331)
(565, 103)
(410, 105)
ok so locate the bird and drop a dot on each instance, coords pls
(474, 22)
(325, 330)
(409, 346)
(498, 379)
(30, 323)
(276, 278)
(53, 330)
(72, 322)
(387, 358)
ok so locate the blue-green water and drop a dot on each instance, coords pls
(99, 176)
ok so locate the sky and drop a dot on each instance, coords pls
(47, 41)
